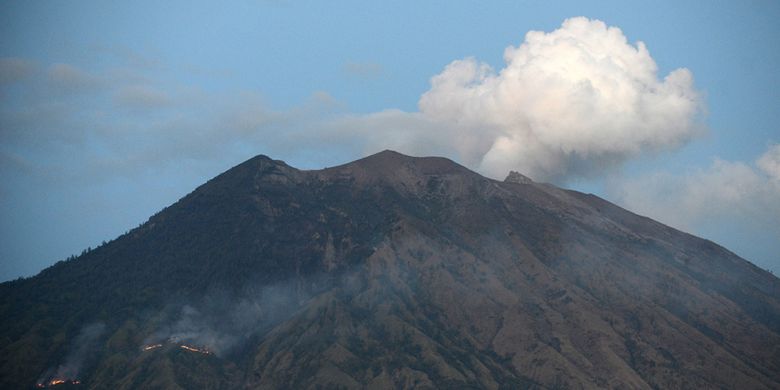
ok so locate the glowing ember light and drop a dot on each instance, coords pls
(150, 347)
(193, 349)
(57, 382)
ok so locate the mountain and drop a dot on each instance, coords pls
(393, 272)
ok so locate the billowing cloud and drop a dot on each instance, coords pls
(570, 102)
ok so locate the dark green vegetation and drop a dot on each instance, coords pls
(394, 272)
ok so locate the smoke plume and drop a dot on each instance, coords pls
(80, 349)
(570, 102)
(221, 322)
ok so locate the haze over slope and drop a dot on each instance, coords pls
(394, 271)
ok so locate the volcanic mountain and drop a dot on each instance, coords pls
(393, 272)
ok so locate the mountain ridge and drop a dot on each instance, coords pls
(396, 271)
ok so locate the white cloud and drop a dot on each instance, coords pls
(734, 203)
(726, 193)
(575, 101)
(770, 162)
(570, 102)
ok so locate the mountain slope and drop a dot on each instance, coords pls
(394, 271)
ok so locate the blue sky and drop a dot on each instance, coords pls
(111, 111)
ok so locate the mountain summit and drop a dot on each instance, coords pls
(393, 272)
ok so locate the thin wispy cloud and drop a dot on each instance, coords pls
(141, 97)
(15, 69)
(734, 195)
(363, 70)
(71, 79)
(724, 190)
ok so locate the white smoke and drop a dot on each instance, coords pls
(221, 322)
(570, 102)
(81, 348)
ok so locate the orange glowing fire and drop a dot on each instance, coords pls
(185, 347)
(57, 382)
(150, 347)
(194, 349)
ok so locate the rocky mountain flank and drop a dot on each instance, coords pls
(393, 272)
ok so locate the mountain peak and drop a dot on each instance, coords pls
(402, 172)
(393, 271)
(388, 161)
(262, 159)
(388, 153)
(517, 177)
